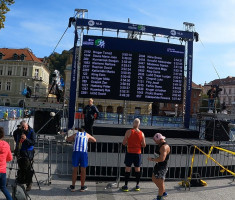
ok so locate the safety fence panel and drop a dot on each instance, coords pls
(106, 160)
(210, 162)
(177, 164)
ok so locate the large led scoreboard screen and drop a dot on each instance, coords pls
(127, 69)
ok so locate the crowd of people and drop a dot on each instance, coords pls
(134, 140)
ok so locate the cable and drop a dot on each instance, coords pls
(60, 40)
(63, 35)
(212, 63)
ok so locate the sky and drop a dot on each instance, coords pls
(38, 25)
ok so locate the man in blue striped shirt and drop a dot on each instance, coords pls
(80, 156)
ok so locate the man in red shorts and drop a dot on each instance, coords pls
(135, 140)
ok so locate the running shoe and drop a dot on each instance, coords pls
(125, 188)
(165, 194)
(72, 188)
(83, 188)
(137, 188)
(158, 198)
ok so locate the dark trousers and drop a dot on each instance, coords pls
(25, 171)
(89, 126)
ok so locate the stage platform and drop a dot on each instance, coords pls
(149, 131)
(149, 140)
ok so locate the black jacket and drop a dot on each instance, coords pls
(90, 111)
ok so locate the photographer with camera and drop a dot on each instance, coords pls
(212, 94)
(24, 137)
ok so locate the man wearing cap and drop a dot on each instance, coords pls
(161, 167)
(135, 140)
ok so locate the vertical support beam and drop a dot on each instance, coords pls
(189, 84)
(73, 83)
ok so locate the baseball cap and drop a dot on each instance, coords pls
(158, 136)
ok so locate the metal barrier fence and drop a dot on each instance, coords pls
(106, 159)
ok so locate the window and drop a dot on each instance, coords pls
(22, 56)
(15, 56)
(165, 104)
(9, 72)
(194, 108)
(25, 71)
(1, 70)
(8, 85)
(137, 110)
(119, 109)
(36, 73)
(0, 85)
(1, 55)
(109, 109)
(229, 91)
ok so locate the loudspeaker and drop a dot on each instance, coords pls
(42, 117)
(221, 130)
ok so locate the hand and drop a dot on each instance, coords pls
(23, 136)
(150, 159)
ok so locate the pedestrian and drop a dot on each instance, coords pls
(14, 114)
(161, 167)
(135, 140)
(5, 116)
(25, 137)
(89, 116)
(5, 156)
(80, 156)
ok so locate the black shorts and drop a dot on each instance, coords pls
(132, 158)
(160, 171)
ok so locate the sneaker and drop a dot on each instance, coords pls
(158, 198)
(137, 188)
(83, 188)
(29, 187)
(125, 188)
(72, 188)
(165, 194)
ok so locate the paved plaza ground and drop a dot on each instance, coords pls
(217, 189)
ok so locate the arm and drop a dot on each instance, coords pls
(9, 155)
(30, 141)
(71, 138)
(143, 143)
(163, 154)
(127, 135)
(97, 112)
(90, 138)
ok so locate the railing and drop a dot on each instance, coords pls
(106, 159)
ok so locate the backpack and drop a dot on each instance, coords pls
(19, 192)
(196, 181)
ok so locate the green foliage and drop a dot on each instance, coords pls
(59, 61)
(4, 8)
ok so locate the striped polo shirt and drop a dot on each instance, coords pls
(81, 142)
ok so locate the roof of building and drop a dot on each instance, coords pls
(8, 54)
(230, 80)
(195, 86)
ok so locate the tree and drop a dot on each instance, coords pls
(59, 61)
(4, 8)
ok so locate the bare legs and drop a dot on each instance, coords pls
(75, 174)
(160, 184)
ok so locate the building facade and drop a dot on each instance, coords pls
(19, 69)
(227, 95)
